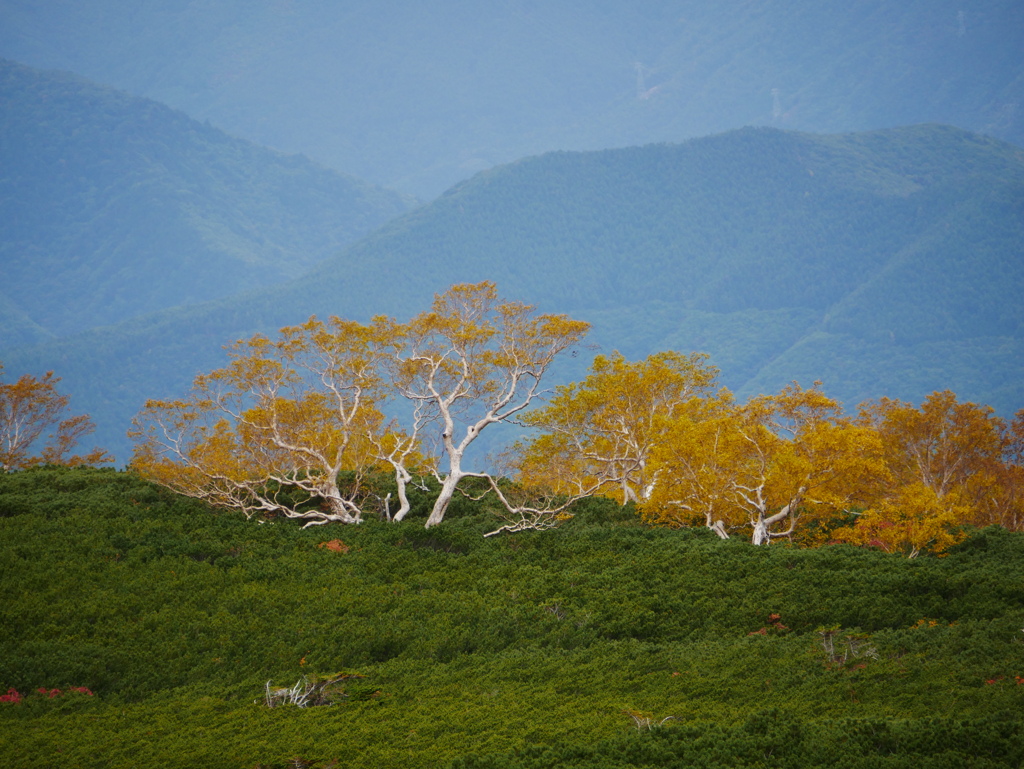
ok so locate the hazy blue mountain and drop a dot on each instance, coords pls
(421, 95)
(112, 206)
(883, 263)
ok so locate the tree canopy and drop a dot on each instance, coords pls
(337, 419)
(28, 408)
(297, 426)
(791, 465)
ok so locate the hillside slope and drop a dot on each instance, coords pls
(881, 263)
(113, 206)
(422, 96)
(541, 647)
(884, 263)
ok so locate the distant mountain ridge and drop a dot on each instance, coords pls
(784, 255)
(882, 263)
(113, 206)
(420, 96)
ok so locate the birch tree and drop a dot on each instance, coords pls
(604, 429)
(474, 360)
(34, 429)
(771, 465)
(805, 459)
(296, 426)
(1004, 505)
(943, 444)
(950, 464)
(272, 432)
(909, 519)
(698, 457)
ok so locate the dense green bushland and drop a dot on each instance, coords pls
(540, 649)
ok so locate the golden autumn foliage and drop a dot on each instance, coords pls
(909, 520)
(775, 463)
(602, 431)
(295, 426)
(471, 361)
(272, 431)
(952, 464)
(29, 408)
(1003, 505)
(787, 465)
(942, 444)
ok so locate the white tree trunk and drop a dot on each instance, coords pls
(762, 526)
(336, 503)
(402, 478)
(760, 536)
(447, 492)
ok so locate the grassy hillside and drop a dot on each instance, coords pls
(115, 206)
(884, 263)
(541, 649)
(420, 97)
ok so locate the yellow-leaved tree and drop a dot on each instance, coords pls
(600, 433)
(773, 464)
(295, 426)
(1005, 505)
(948, 467)
(696, 460)
(288, 427)
(909, 519)
(29, 408)
(475, 360)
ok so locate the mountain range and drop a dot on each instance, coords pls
(115, 206)
(420, 96)
(881, 263)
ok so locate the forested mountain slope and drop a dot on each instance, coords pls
(113, 206)
(420, 96)
(884, 263)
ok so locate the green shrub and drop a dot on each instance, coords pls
(509, 650)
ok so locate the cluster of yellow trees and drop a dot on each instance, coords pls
(792, 464)
(299, 426)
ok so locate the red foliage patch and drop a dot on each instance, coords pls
(335, 546)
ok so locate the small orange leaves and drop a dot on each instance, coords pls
(335, 546)
(774, 626)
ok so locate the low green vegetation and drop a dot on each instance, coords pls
(603, 643)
